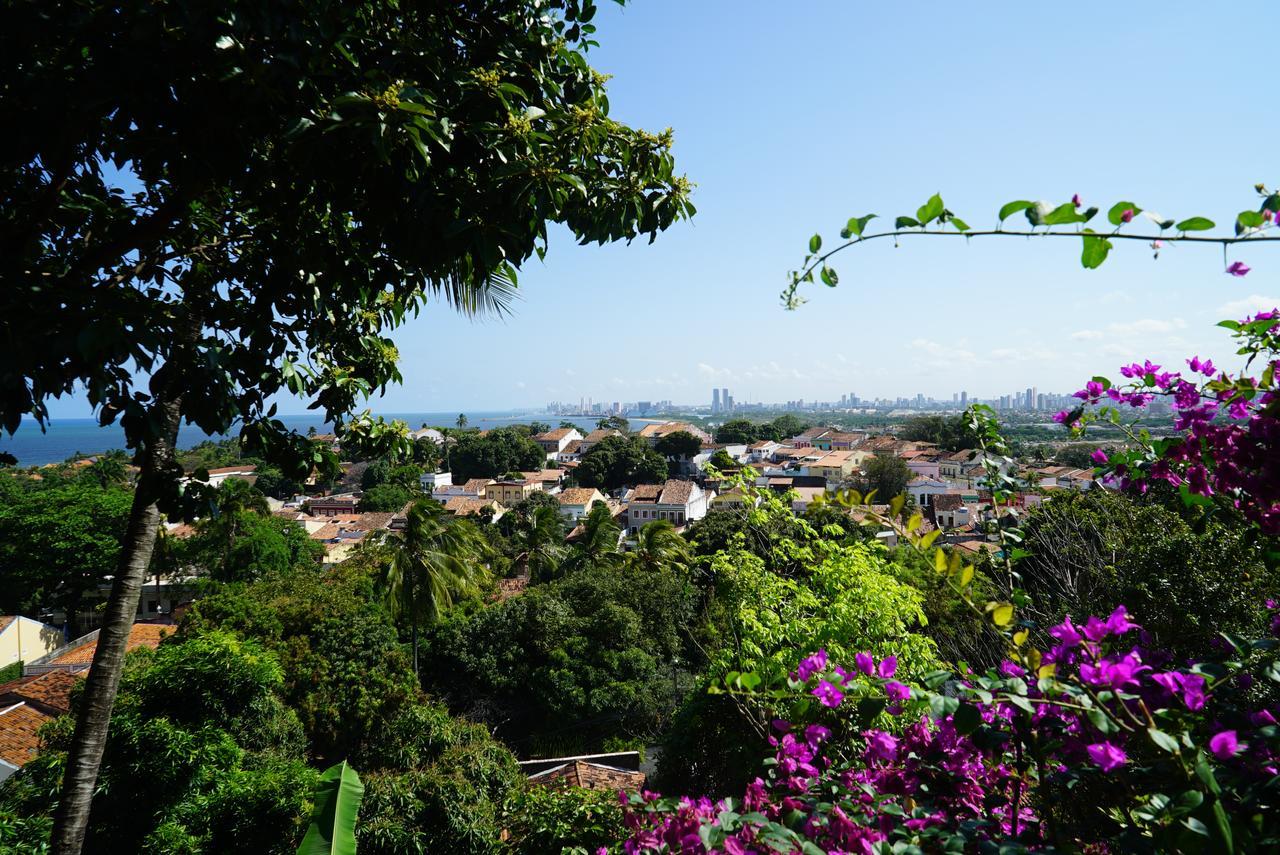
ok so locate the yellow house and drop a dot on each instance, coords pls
(23, 639)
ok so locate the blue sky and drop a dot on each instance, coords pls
(791, 118)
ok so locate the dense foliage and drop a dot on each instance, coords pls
(745, 431)
(570, 663)
(620, 460)
(493, 453)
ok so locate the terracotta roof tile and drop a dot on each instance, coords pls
(676, 493)
(19, 726)
(140, 635)
(553, 435)
(5, 620)
(52, 690)
(578, 495)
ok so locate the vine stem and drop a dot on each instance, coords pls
(818, 260)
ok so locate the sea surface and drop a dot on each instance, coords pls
(64, 438)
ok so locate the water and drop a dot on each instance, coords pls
(66, 437)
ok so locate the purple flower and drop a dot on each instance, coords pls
(881, 746)
(896, 691)
(828, 694)
(1118, 621)
(1192, 691)
(1092, 389)
(888, 666)
(1238, 268)
(1224, 745)
(810, 665)
(1067, 633)
(1206, 367)
(1108, 757)
(815, 734)
(1099, 456)
(1127, 216)
(1075, 199)
(865, 663)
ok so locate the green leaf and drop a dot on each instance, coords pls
(333, 822)
(815, 243)
(856, 225)
(1248, 220)
(960, 224)
(1223, 826)
(1011, 208)
(1195, 224)
(905, 223)
(1063, 214)
(1163, 740)
(931, 210)
(1116, 214)
(967, 719)
(829, 277)
(1095, 250)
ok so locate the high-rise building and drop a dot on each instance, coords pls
(715, 400)
(964, 399)
(1029, 402)
(726, 402)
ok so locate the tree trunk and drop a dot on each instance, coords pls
(80, 778)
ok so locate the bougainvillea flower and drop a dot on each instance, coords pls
(828, 694)
(881, 746)
(865, 663)
(810, 665)
(1075, 199)
(1224, 745)
(1127, 216)
(1108, 757)
(896, 691)
(888, 666)
(1067, 633)
(1238, 268)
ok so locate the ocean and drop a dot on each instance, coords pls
(66, 437)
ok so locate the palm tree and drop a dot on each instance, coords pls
(234, 498)
(109, 468)
(434, 560)
(540, 539)
(461, 421)
(598, 545)
(659, 545)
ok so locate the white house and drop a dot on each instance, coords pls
(924, 489)
(554, 441)
(23, 639)
(431, 482)
(576, 502)
(680, 502)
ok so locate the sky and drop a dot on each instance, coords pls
(791, 118)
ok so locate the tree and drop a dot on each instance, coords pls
(659, 545)
(597, 546)
(500, 450)
(737, 431)
(109, 468)
(426, 453)
(57, 544)
(232, 502)
(259, 546)
(536, 428)
(681, 443)
(252, 234)
(948, 432)
(568, 664)
(886, 474)
(537, 538)
(272, 482)
(783, 427)
(619, 423)
(618, 461)
(461, 421)
(203, 756)
(435, 560)
(721, 461)
(384, 471)
(385, 497)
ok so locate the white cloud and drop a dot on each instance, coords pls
(520, 384)
(1113, 297)
(1250, 305)
(1146, 326)
(1086, 335)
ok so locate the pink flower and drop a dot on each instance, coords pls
(1108, 757)
(1127, 216)
(1075, 200)
(1099, 456)
(896, 691)
(882, 746)
(1238, 268)
(810, 665)
(888, 666)
(1224, 745)
(865, 663)
(828, 694)
(816, 734)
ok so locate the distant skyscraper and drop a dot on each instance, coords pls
(964, 399)
(726, 403)
(715, 400)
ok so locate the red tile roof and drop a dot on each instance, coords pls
(18, 733)
(140, 635)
